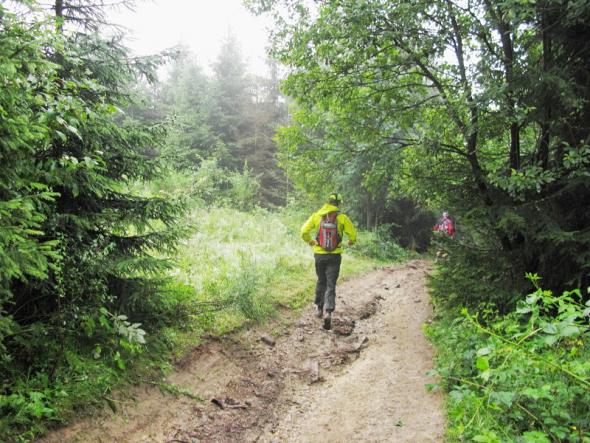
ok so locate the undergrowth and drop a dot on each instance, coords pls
(519, 377)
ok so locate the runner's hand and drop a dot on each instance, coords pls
(350, 243)
(313, 243)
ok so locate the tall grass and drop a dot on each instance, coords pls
(250, 263)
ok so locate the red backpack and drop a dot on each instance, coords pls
(328, 237)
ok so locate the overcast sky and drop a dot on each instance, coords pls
(200, 25)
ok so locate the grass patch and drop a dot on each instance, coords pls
(253, 262)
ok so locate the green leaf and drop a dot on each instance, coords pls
(535, 437)
(62, 136)
(537, 393)
(485, 375)
(482, 363)
(569, 331)
(484, 351)
(524, 309)
(74, 131)
(505, 398)
(487, 437)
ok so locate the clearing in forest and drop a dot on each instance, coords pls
(291, 381)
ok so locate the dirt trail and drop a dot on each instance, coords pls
(291, 381)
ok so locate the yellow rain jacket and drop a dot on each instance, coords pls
(312, 225)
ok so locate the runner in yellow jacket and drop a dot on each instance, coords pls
(327, 262)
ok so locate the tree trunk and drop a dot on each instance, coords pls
(505, 31)
(547, 62)
(470, 131)
(59, 14)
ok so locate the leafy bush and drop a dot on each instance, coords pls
(379, 245)
(244, 190)
(524, 376)
(467, 276)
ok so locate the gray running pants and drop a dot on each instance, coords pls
(327, 268)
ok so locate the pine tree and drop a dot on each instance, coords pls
(186, 99)
(83, 151)
(231, 100)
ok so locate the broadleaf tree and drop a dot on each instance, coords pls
(485, 105)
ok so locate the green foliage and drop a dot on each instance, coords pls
(235, 257)
(209, 185)
(185, 98)
(29, 402)
(24, 251)
(90, 214)
(227, 119)
(377, 244)
(523, 376)
(244, 189)
(232, 271)
(488, 280)
(242, 291)
(80, 255)
(482, 111)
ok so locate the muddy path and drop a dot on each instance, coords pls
(291, 381)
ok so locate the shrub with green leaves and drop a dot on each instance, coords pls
(524, 376)
(379, 245)
(467, 277)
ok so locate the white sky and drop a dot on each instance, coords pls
(201, 25)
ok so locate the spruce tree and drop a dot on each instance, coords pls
(102, 243)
